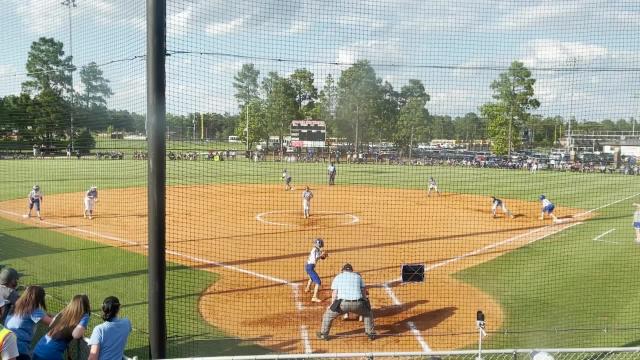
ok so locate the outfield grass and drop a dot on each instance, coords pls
(568, 189)
(129, 146)
(566, 279)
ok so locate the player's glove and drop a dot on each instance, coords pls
(324, 255)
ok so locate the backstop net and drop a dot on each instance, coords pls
(474, 162)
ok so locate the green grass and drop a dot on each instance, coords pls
(568, 290)
(129, 146)
(564, 281)
(65, 265)
(567, 189)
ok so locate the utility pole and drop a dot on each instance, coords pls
(247, 128)
(71, 4)
(357, 123)
(572, 61)
(411, 144)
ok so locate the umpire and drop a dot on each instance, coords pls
(348, 295)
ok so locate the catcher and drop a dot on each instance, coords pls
(310, 267)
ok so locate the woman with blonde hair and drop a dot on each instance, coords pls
(69, 324)
(29, 310)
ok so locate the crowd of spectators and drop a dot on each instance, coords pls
(20, 312)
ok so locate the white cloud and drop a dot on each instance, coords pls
(535, 14)
(300, 26)
(548, 52)
(7, 70)
(376, 51)
(221, 28)
(178, 23)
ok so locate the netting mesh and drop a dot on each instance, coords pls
(424, 109)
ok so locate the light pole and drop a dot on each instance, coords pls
(247, 128)
(71, 4)
(357, 123)
(572, 61)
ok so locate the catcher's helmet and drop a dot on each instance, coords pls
(542, 197)
(36, 187)
(93, 187)
(318, 243)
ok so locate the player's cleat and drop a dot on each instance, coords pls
(512, 216)
(345, 316)
(360, 318)
(322, 336)
(371, 336)
(315, 299)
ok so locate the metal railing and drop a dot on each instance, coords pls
(630, 353)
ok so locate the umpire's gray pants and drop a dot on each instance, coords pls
(357, 307)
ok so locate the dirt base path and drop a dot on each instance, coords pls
(256, 238)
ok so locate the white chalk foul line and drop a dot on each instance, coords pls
(294, 286)
(172, 252)
(261, 217)
(599, 237)
(84, 231)
(304, 333)
(410, 324)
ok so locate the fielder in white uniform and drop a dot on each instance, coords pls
(90, 199)
(35, 199)
(433, 185)
(307, 195)
(287, 180)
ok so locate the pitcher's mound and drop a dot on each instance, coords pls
(292, 218)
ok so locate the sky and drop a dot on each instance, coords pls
(585, 54)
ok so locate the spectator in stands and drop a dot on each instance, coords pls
(69, 324)
(8, 340)
(8, 284)
(29, 310)
(109, 338)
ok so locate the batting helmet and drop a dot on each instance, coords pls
(319, 243)
(542, 197)
(36, 187)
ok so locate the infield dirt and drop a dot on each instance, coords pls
(255, 237)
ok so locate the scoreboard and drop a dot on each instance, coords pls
(308, 133)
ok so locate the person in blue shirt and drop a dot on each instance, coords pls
(348, 295)
(29, 310)
(109, 339)
(69, 324)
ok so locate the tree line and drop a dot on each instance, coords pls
(358, 106)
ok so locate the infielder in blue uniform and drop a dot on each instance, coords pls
(547, 208)
(317, 253)
(35, 199)
(636, 222)
(497, 203)
(90, 199)
(287, 180)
